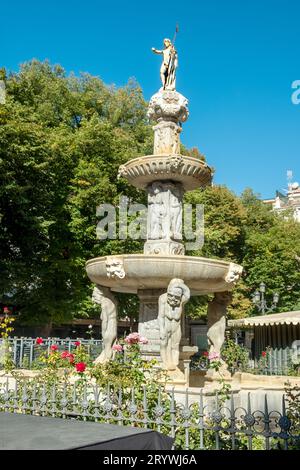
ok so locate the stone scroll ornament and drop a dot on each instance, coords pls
(109, 306)
(216, 321)
(170, 309)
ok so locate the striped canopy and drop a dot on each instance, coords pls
(284, 318)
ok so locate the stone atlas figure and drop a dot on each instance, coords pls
(216, 321)
(170, 309)
(109, 306)
(169, 65)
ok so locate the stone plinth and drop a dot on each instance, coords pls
(148, 322)
(163, 247)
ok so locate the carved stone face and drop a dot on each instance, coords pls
(115, 268)
(174, 296)
(167, 42)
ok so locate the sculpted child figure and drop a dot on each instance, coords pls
(109, 306)
(216, 321)
(170, 309)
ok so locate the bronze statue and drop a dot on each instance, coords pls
(169, 65)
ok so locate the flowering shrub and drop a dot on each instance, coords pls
(135, 338)
(235, 356)
(127, 368)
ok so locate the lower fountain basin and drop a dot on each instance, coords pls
(130, 273)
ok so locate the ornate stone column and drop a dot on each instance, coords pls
(169, 109)
(148, 321)
(164, 223)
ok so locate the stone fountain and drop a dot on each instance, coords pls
(163, 277)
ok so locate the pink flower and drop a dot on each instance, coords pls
(117, 347)
(80, 366)
(143, 340)
(6, 310)
(135, 338)
(54, 347)
(77, 344)
(213, 356)
(39, 341)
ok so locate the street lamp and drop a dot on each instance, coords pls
(258, 298)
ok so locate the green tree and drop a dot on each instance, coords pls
(62, 140)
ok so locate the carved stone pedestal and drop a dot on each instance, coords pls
(148, 322)
(163, 247)
(149, 328)
(166, 138)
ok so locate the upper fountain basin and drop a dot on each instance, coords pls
(192, 172)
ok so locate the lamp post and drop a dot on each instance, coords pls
(258, 298)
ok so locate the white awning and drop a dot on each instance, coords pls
(284, 318)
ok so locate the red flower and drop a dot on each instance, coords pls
(205, 354)
(77, 344)
(264, 354)
(54, 347)
(39, 341)
(67, 355)
(71, 358)
(80, 366)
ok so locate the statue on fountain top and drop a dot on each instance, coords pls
(169, 65)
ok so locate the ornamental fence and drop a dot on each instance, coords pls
(25, 351)
(271, 366)
(195, 425)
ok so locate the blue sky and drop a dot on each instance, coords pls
(237, 61)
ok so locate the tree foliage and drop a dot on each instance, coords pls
(62, 140)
